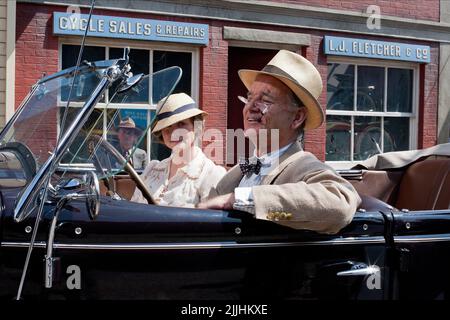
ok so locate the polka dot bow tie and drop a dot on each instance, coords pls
(250, 166)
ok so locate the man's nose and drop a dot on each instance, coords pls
(250, 105)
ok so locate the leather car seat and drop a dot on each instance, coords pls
(425, 186)
(370, 204)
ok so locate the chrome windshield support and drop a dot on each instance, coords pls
(49, 261)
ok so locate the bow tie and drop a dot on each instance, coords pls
(248, 167)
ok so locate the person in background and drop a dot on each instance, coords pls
(128, 134)
(187, 176)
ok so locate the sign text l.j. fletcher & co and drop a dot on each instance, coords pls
(367, 48)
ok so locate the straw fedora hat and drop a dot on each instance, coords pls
(128, 123)
(300, 76)
(176, 107)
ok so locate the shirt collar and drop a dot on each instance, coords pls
(273, 155)
(268, 159)
(194, 168)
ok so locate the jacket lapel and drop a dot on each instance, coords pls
(230, 181)
(284, 161)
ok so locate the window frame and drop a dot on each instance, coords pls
(141, 45)
(413, 116)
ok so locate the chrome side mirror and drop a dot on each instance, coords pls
(87, 188)
(129, 82)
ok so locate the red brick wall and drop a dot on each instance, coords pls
(213, 88)
(36, 47)
(412, 9)
(428, 100)
(315, 139)
(37, 52)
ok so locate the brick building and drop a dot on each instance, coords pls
(386, 81)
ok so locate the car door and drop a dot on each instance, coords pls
(422, 246)
(139, 251)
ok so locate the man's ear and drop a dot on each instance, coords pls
(299, 118)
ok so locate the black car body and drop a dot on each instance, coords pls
(92, 243)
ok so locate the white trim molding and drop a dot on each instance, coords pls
(10, 59)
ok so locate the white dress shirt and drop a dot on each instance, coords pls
(190, 185)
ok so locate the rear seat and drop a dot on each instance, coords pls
(425, 186)
(382, 185)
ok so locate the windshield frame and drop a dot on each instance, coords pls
(112, 71)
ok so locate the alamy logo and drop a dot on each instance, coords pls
(75, 14)
(374, 280)
(374, 20)
(74, 279)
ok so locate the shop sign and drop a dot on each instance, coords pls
(130, 28)
(366, 48)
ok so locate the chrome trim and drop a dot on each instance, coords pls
(198, 245)
(360, 269)
(422, 238)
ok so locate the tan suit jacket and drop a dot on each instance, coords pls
(302, 193)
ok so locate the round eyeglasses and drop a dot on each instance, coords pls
(262, 106)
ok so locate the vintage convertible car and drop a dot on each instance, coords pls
(68, 230)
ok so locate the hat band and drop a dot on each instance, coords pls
(165, 115)
(274, 69)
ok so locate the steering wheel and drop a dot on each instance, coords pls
(127, 167)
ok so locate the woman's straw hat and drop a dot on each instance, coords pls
(177, 107)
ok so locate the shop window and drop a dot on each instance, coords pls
(165, 59)
(369, 110)
(140, 108)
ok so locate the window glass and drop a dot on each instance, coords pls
(338, 138)
(158, 149)
(340, 86)
(396, 136)
(367, 137)
(399, 81)
(165, 59)
(386, 132)
(130, 135)
(78, 151)
(370, 88)
(70, 55)
(139, 63)
(137, 106)
(139, 59)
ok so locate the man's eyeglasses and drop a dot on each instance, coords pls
(261, 105)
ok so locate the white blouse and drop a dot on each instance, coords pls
(190, 185)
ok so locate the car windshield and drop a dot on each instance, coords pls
(88, 150)
(54, 131)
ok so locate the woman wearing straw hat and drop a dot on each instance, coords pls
(187, 176)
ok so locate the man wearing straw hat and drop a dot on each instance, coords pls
(128, 134)
(283, 183)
